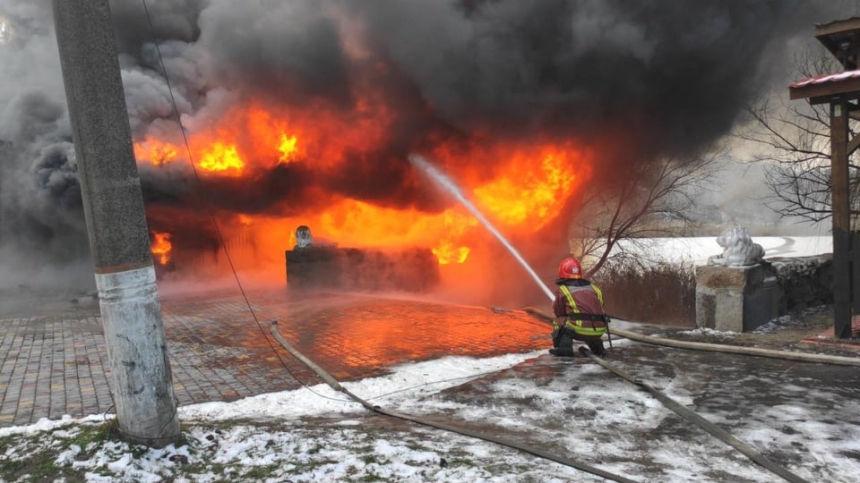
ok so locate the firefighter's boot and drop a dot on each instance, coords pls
(564, 351)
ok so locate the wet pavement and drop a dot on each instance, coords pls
(56, 364)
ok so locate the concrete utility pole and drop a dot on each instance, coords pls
(116, 223)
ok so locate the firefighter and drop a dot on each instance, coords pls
(578, 308)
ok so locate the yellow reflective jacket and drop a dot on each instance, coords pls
(583, 310)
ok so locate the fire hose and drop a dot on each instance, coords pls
(681, 410)
(703, 423)
(702, 346)
(334, 384)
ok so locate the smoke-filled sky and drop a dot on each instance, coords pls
(662, 77)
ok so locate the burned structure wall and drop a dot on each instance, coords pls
(353, 269)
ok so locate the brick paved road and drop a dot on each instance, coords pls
(56, 364)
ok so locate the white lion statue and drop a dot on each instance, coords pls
(738, 249)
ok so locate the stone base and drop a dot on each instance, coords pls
(737, 299)
(329, 268)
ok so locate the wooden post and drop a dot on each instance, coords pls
(855, 272)
(841, 218)
(116, 223)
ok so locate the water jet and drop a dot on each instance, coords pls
(447, 183)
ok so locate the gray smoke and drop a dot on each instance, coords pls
(677, 71)
(39, 194)
(662, 77)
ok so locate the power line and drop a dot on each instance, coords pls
(210, 211)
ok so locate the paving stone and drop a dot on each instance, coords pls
(56, 365)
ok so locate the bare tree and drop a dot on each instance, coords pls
(653, 200)
(794, 142)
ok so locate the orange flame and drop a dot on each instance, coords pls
(156, 152)
(287, 148)
(222, 157)
(447, 253)
(456, 224)
(161, 247)
(532, 190)
(516, 184)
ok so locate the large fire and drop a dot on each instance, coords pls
(517, 185)
(521, 183)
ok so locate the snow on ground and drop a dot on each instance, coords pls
(269, 438)
(696, 250)
(805, 416)
(418, 379)
(810, 421)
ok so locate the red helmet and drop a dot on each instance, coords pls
(570, 268)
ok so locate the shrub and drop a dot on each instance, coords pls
(660, 293)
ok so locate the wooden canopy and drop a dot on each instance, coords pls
(842, 92)
(842, 39)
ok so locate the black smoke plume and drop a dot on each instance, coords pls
(665, 77)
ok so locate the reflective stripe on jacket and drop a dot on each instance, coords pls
(591, 328)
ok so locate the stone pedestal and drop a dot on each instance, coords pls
(333, 268)
(736, 299)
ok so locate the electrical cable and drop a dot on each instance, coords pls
(334, 384)
(210, 212)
